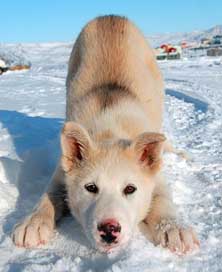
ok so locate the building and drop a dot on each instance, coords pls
(214, 52)
(168, 52)
(217, 40)
(205, 41)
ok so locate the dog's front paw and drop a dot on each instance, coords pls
(35, 230)
(178, 239)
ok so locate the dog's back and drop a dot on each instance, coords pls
(111, 62)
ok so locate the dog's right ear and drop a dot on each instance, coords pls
(76, 145)
(148, 147)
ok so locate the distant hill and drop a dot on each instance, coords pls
(177, 37)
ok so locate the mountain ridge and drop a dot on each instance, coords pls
(177, 37)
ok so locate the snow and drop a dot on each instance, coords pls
(32, 107)
(13, 56)
(178, 37)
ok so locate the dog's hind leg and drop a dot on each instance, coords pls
(162, 226)
(38, 227)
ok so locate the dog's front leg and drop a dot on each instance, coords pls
(38, 227)
(164, 227)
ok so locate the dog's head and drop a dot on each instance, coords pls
(109, 184)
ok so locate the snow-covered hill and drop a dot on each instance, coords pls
(176, 38)
(32, 106)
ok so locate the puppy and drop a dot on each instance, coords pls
(112, 145)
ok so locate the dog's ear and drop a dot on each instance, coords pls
(76, 145)
(148, 148)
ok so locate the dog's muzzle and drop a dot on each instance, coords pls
(109, 231)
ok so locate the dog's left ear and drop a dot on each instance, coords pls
(76, 145)
(148, 148)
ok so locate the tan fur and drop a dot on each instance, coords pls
(133, 66)
(115, 111)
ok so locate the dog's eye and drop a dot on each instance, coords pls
(92, 188)
(130, 189)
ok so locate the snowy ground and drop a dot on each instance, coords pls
(32, 105)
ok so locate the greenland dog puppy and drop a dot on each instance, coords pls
(109, 173)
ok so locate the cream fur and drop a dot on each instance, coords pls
(111, 138)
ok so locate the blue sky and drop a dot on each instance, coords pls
(54, 20)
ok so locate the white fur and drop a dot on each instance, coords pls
(110, 202)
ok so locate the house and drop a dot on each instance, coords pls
(217, 39)
(205, 41)
(214, 52)
(169, 52)
(184, 45)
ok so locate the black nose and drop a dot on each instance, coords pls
(109, 231)
(108, 238)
